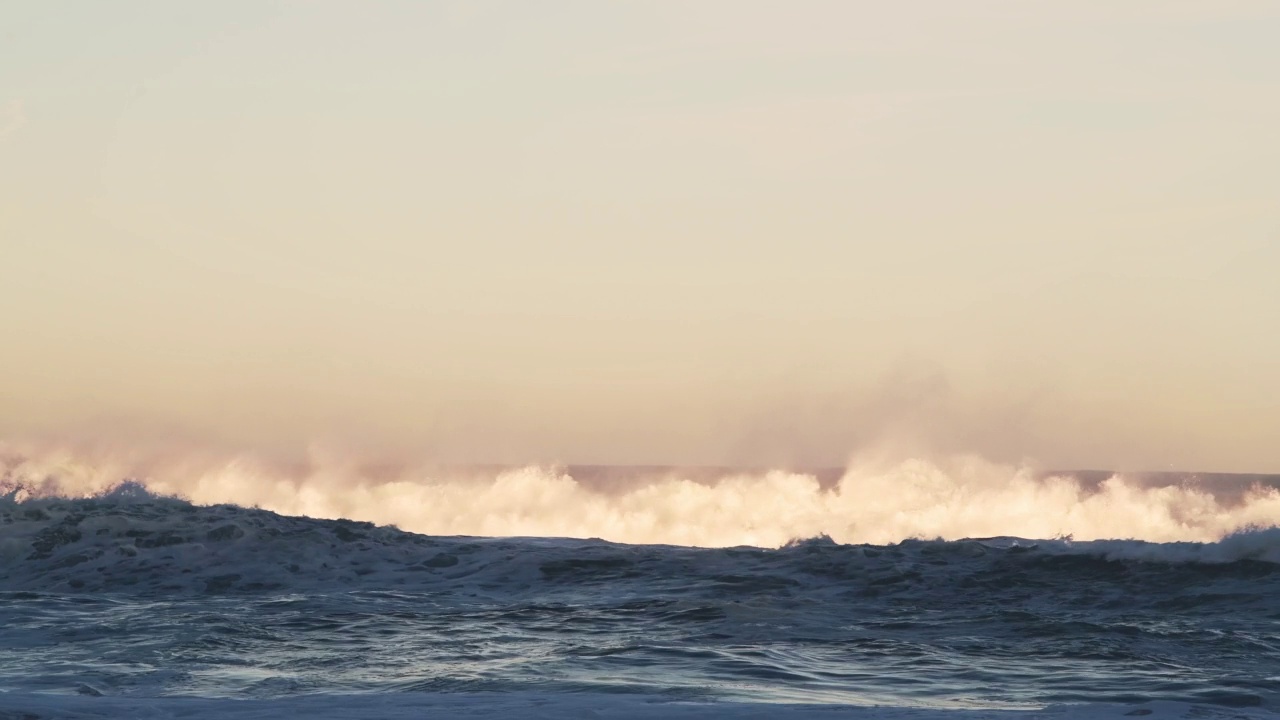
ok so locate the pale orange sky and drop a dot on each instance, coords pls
(647, 232)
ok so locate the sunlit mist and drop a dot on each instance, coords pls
(875, 502)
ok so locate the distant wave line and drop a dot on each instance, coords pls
(878, 503)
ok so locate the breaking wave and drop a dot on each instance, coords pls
(127, 593)
(871, 503)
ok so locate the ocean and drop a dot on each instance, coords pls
(147, 595)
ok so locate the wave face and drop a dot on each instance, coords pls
(867, 503)
(131, 594)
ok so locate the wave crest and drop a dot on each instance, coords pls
(870, 503)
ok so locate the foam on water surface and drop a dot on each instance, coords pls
(130, 540)
(128, 594)
(553, 707)
(915, 596)
(869, 502)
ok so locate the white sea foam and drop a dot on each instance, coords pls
(1261, 545)
(547, 706)
(871, 503)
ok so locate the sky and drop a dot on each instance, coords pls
(703, 232)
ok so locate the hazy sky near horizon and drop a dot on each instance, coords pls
(717, 231)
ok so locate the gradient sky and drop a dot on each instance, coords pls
(719, 231)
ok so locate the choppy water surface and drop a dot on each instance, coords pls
(129, 594)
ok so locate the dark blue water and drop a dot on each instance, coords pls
(130, 595)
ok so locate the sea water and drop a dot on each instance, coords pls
(129, 603)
